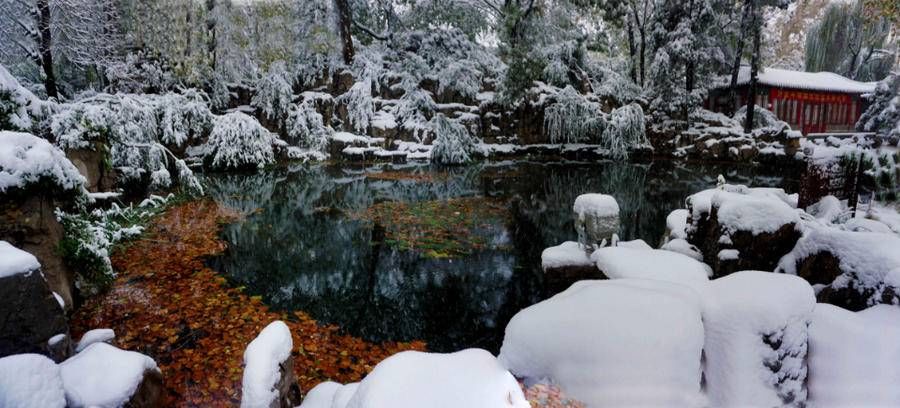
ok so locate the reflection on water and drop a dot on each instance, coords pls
(301, 248)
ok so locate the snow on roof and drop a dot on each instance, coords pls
(810, 81)
(14, 261)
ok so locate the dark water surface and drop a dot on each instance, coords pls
(301, 247)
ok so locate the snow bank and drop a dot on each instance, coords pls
(262, 364)
(853, 357)
(683, 247)
(869, 261)
(568, 253)
(26, 159)
(14, 261)
(103, 375)
(30, 381)
(627, 342)
(756, 332)
(655, 264)
(95, 336)
(470, 378)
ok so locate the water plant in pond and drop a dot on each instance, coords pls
(438, 229)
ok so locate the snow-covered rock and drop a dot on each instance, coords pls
(105, 376)
(756, 339)
(761, 224)
(656, 264)
(95, 336)
(683, 247)
(470, 378)
(30, 381)
(853, 357)
(676, 225)
(269, 369)
(31, 314)
(596, 218)
(568, 253)
(26, 160)
(857, 269)
(14, 261)
(626, 342)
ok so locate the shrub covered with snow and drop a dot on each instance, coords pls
(305, 127)
(27, 160)
(239, 141)
(625, 130)
(452, 144)
(470, 378)
(883, 115)
(756, 339)
(360, 105)
(852, 357)
(264, 363)
(573, 118)
(30, 381)
(625, 342)
(274, 92)
(138, 131)
(89, 238)
(18, 106)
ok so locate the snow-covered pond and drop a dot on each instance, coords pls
(306, 244)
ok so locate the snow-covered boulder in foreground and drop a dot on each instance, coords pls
(596, 218)
(853, 357)
(105, 376)
(30, 381)
(470, 378)
(761, 224)
(31, 315)
(626, 342)
(857, 269)
(656, 264)
(756, 339)
(26, 160)
(269, 369)
(567, 263)
(95, 336)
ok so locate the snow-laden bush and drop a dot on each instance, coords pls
(573, 118)
(18, 106)
(137, 73)
(462, 77)
(762, 117)
(612, 85)
(414, 110)
(625, 130)
(360, 106)
(136, 129)
(306, 128)
(563, 59)
(274, 92)
(27, 160)
(239, 141)
(452, 144)
(89, 237)
(883, 115)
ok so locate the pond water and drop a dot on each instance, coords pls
(444, 255)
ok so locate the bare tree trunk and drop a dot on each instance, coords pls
(211, 33)
(45, 43)
(344, 26)
(632, 51)
(754, 70)
(643, 53)
(736, 66)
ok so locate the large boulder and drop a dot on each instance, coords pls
(756, 339)
(269, 370)
(104, 376)
(623, 342)
(740, 228)
(93, 163)
(853, 270)
(32, 315)
(622, 262)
